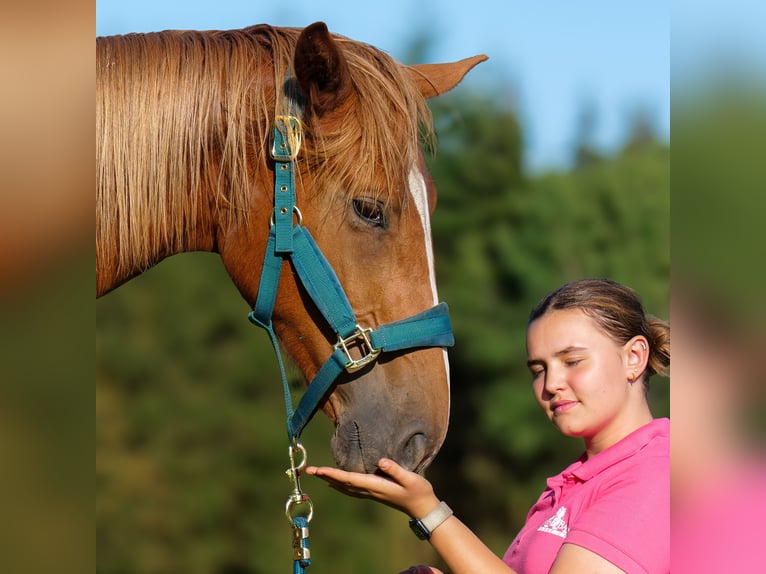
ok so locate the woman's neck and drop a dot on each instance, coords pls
(618, 429)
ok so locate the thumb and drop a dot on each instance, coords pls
(392, 468)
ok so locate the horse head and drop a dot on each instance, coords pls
(365, 194)
(361, 184)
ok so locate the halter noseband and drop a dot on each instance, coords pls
(292, 241)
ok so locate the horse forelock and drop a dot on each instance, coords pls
(182, 113)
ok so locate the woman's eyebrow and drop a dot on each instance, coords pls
(569, 349)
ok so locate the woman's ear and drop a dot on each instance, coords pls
(637, 356)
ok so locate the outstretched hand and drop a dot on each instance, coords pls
(398, 488)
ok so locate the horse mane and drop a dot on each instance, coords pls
(179, 112)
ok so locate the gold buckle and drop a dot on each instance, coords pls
(292, 135)
(359, 340)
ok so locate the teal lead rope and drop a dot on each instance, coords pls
(357, 346)
(301, 552)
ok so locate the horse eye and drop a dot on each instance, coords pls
(371, 211)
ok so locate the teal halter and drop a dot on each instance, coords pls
(292, 241)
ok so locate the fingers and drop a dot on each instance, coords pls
(339, 476)
(399, 488)
(327, 472)
(357, 479)
(355, 483)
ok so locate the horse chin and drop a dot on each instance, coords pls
(348, 451)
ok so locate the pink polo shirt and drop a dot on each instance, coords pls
(616, 504)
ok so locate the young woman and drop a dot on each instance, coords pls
(591, 350)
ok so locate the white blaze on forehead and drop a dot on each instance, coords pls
(420, 196)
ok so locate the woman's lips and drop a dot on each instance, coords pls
(559, 407)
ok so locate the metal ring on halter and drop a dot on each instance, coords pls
(283, 210)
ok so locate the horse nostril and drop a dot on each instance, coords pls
(413, 451)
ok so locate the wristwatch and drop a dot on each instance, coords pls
(423, 527)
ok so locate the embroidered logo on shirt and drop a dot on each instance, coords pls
(556, 524)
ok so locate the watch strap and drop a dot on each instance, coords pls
(423, 527)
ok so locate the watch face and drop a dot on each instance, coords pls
(419, 529)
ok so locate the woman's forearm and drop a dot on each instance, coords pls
(414, 495)
(463, 552)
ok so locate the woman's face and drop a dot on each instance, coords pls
(580, 375)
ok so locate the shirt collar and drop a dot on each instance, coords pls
(586, 468)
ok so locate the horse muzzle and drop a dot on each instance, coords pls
(396, 410)
(358, 446)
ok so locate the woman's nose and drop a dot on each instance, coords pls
(555, 380)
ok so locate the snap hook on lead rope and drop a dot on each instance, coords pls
(298, 503)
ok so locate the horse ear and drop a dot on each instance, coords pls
(436, 79)
(321, 69)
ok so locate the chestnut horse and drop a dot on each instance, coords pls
(184, 121)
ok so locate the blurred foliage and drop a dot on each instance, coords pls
(719, 195)
(191, 447)
(46, 405)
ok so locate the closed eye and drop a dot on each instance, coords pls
(536, 372)
(370, 211)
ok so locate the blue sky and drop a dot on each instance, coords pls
(550, 58)
(711, 36)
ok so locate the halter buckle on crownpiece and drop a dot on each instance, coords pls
(359, 340)
(291, 132)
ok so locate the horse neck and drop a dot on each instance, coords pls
(175, 151)
(138, 227)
